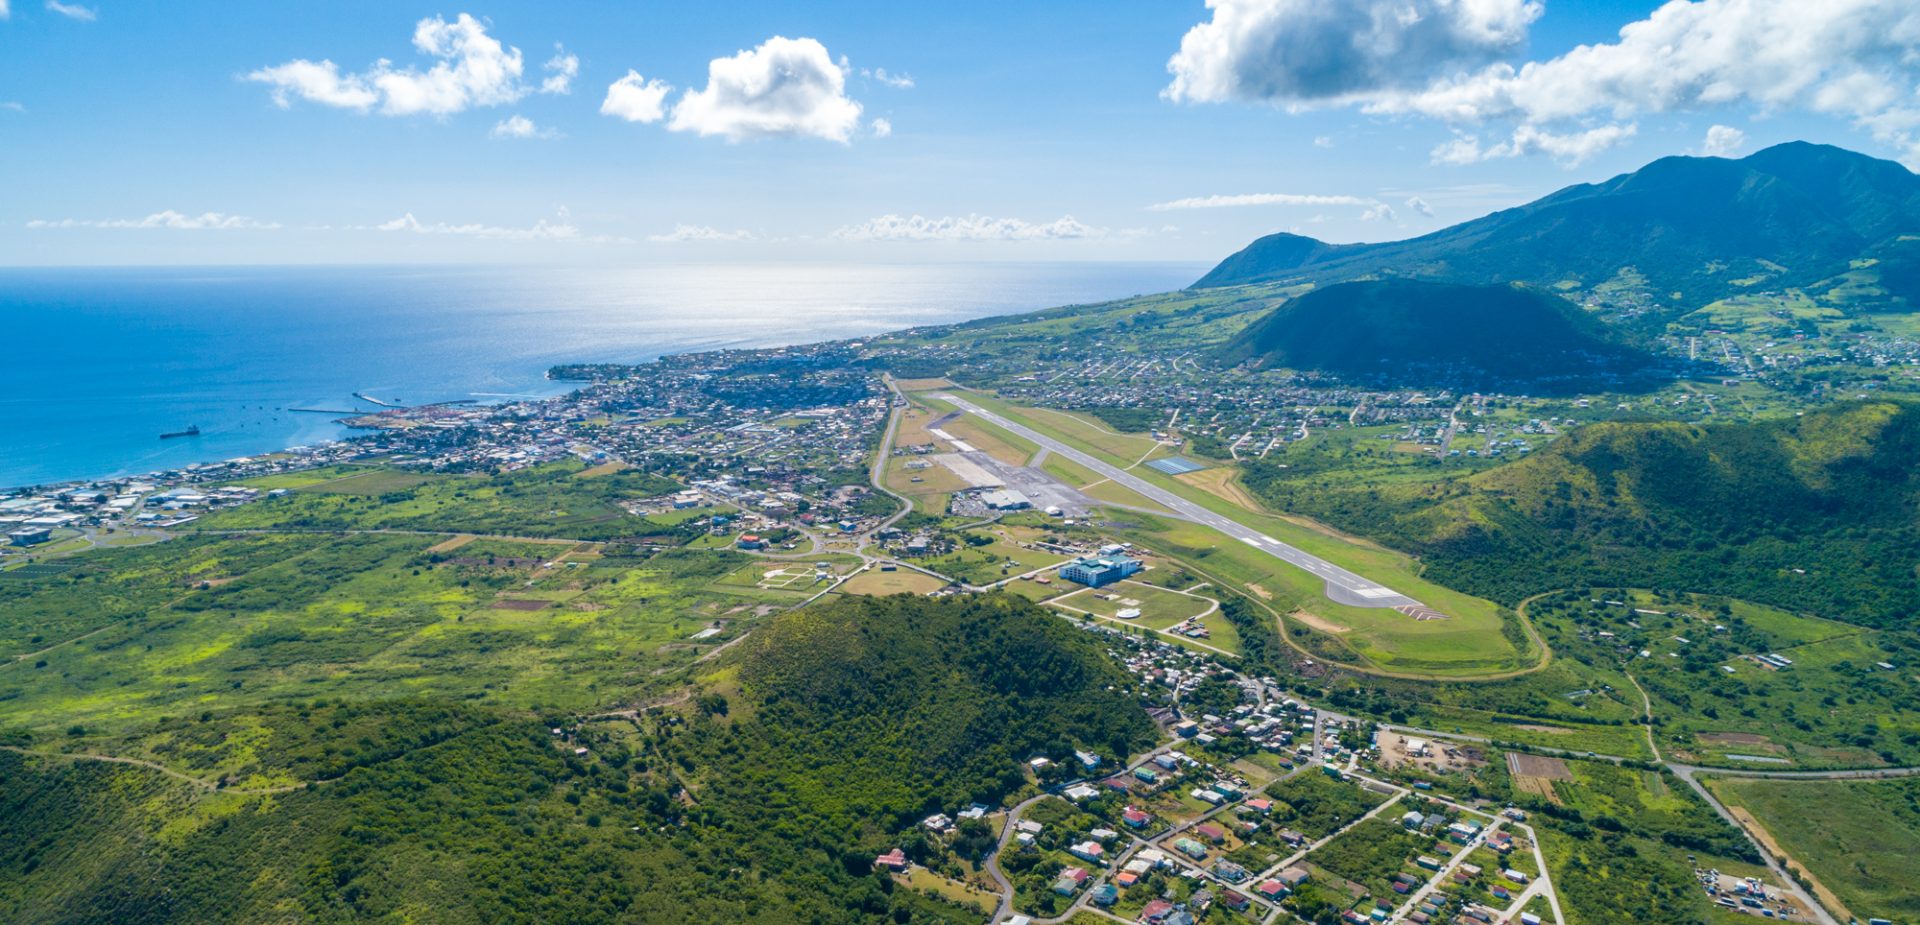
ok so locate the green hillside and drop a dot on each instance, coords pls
(1814, 513)
(1408, 332)
(762, 799)
(1700, 227)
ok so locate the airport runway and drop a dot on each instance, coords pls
(1342, 586)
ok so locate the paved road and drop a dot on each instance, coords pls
(1343, 587)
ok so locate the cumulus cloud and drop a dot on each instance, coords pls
(1723, 141)
(1856, 59)
(882, 127)
(1420, 205)
(1260, 199)
(783, 88)
(561, 69)
(519, 126)
(637, 99)
(1566, 147)
(699, 233)
(1306, 52)
(473, 69)
(72, 11)
(969, 228)
(1379, 212)
(167, 220)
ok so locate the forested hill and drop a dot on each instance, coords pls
(1703, 227)
(1396, 333)
(1814, 513)
(763, 799)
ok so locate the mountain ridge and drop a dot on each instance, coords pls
(1796, 213)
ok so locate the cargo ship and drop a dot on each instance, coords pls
(193, 430)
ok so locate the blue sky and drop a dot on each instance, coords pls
(201, 132)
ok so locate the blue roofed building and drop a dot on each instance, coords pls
(1095, 571)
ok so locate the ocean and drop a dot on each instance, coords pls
(99, 362)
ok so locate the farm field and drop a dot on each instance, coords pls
(1859, 839)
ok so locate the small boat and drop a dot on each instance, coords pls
(193, 430)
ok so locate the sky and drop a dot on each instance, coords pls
(501, 131)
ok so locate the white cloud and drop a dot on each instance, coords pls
(563, 69)
(882, 127)
(1380, 212)
(896, 81)
(1260, 199)
(970, 228)
(473, 69)
(1566, 147)
(784, 88)
(1857, 59)
(637, 99)
(1853, 59)
(1723, 141)
(1420, 205)
(12, 106)
(519, 126)
(1323, 141)
(541, 230)
(169, 219)
(318, 81)
(699, 233)
(1307, 52)
(73, 11)
(5, 13)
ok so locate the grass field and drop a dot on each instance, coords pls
(1833, 707)
(1471, 643)
(1859, 839)
(132, 636)
(539, 501)
(901, 581)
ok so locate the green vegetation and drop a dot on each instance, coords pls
(1807, 513)
(1371, 854)
(1409, 333)
(538, 501)
(763, 799)
(1316, 805)
(1793, 214)
(1859, 839)
(1712, 698)
(1618, 841)
(217, 623)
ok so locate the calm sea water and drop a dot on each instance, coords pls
(98, 363)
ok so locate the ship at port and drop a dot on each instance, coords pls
(193, 430)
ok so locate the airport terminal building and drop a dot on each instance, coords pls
(1097, 571)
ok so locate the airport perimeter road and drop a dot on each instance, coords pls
(1343, 587)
